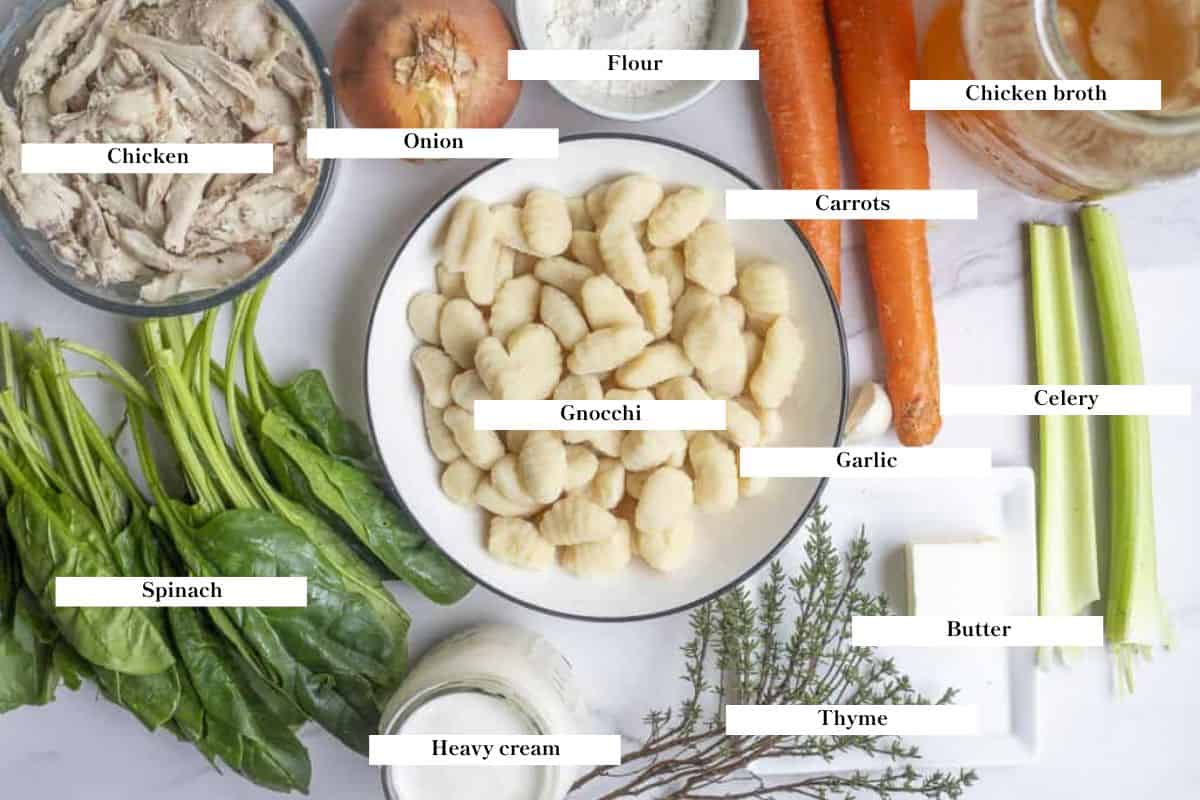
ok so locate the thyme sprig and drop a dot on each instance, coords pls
(788, 643)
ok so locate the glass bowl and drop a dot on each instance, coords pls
(34, 249)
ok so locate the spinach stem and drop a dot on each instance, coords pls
(7, 359)
(26, 443)
(205, 493)
(162, 500)
(204, 373)
(241, 445)
(130, 386)
(213, 451)
(55, 434)
(256, 376)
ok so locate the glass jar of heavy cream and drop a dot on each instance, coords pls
(1070, 155)
(490, 680)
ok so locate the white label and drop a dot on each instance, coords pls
(183, 592)
(1040, 401)
(147, 159)
(913, 720)
(864, 462)
(632, 65)
(600, 415)
(972, 631)
(433, 142)
(1035, 95)
(852, 204)
(426, 750)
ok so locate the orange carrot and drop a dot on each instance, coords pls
(796, 77)
(877, 57)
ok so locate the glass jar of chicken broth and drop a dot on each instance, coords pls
(487, 680)
(1070, 155)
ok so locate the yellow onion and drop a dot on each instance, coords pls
(425, 64)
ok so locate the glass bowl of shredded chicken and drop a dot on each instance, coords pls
(161, 71)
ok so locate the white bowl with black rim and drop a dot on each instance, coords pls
(730, 546)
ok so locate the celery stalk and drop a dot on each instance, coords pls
(1068, 570)
(1135, 619)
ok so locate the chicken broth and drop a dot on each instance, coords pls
(194, 71)
(1069, 155)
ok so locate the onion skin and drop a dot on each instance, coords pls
(391, 67)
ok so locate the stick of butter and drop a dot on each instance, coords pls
(947, 579)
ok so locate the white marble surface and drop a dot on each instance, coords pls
(1093, 746)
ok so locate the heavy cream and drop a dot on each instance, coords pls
(466, 712)
(489, 680)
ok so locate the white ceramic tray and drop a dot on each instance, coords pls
(1001, 681)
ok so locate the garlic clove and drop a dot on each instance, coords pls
(870, 414)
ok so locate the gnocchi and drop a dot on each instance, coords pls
(460, 479)
(763, 289)
(585, 248)
(542, 466)
(629, 293)
(424, 312)
(576, 519)
(654, 305)
(493, 366)
(537, 363)
(507, 480)
(607, 349)
(709, 259)
(623, 257)
(779, 365)
(600, 558)
(563, 274)
(669, 264)
(561, 315)
(607, 485)
(582, 465)
(667, 550)
(491, 499)
(716, 472)
(677, 216)
(470, 239)
(517, 542)
(449, 284)
(516, 304)
(546, 222)
(666, 497)
(632, 199)
(643, 450)
(606, 305)
(481, 448)
(462, 328)
(441, 439)
(654, 365)
(436, 370)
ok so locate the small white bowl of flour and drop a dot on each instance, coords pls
(632, 25)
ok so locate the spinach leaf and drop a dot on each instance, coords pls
(10, 573)
(353, 498)
(28, 674)
(57, 536)
(310, 402)
(270, 754)
(292, 482)
(153, 699)
(338, 631)
(331, 658)
(70, 665)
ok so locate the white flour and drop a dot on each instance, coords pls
(629, 25)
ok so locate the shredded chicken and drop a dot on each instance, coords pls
(145, 71)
